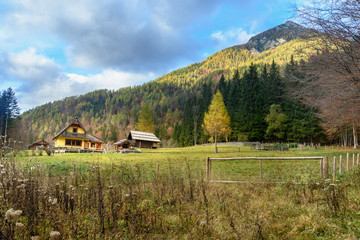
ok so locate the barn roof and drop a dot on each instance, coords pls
(41, 140)
(145, 136)
(85, 135)
(122, 141)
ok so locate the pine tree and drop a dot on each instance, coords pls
(222, 86)
(9, 110)
(217, 120)
(145, 121)
(114, 132)
(252, 105)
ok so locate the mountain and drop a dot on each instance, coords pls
(111, 114)
(274, 37)
(259, 49)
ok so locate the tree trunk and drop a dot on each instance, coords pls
(216, 149)
(195, 132)
(345, 137)
(355, 135)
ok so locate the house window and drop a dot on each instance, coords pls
(92, 145)
(75, 130)
(72, 142)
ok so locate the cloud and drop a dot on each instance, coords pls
(230, 37)
(138, 35)
(54, 49)
(43, 80)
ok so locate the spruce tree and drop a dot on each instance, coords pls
(9, 110)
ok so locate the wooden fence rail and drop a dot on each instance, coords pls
(324, 164)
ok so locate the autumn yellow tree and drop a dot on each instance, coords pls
(217, 120)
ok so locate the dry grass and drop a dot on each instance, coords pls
(128, 201)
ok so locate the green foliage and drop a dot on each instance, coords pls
(277, 123)
(145, 121)
(9, 110)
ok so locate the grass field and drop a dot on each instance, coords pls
(178, 158)
(119, 196)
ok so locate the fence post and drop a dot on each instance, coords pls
(334, 169)
(347, 162)
(157, 170)
(353, 160)
(208, 169)
(326, 167)
(340, 164)
(261, 174)
(322, 167)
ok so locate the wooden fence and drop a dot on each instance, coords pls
(323, 160)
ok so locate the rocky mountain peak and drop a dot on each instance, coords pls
(274, 37)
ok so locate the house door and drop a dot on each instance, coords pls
(86, 145)
(98, 146)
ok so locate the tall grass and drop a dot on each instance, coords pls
(130, 201)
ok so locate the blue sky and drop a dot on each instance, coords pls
(50, 50)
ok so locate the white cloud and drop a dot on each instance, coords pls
(29, 65)
(109, 79)
(43, 80)
(129, 35)
(230, 37)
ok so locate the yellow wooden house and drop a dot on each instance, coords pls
(75, 136)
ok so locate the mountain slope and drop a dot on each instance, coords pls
(111, 114)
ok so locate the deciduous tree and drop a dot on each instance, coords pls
(332, 80)
(277, 123)
(217, 120)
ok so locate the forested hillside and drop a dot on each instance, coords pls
(179, 100)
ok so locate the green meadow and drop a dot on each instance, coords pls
(195, 158)
(124, 196)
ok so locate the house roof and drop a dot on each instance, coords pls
(145, 136)
(122, 141)
(41, 140)
(85, 135)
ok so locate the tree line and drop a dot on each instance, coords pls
(259, 110)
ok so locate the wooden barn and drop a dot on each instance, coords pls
(123, 143)
(143, 139)
(75, 136)
(41, 144)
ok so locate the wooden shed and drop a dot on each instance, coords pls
(123, 143)
(38, 145)
(144, 139)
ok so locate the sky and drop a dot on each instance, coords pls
(54, 49)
